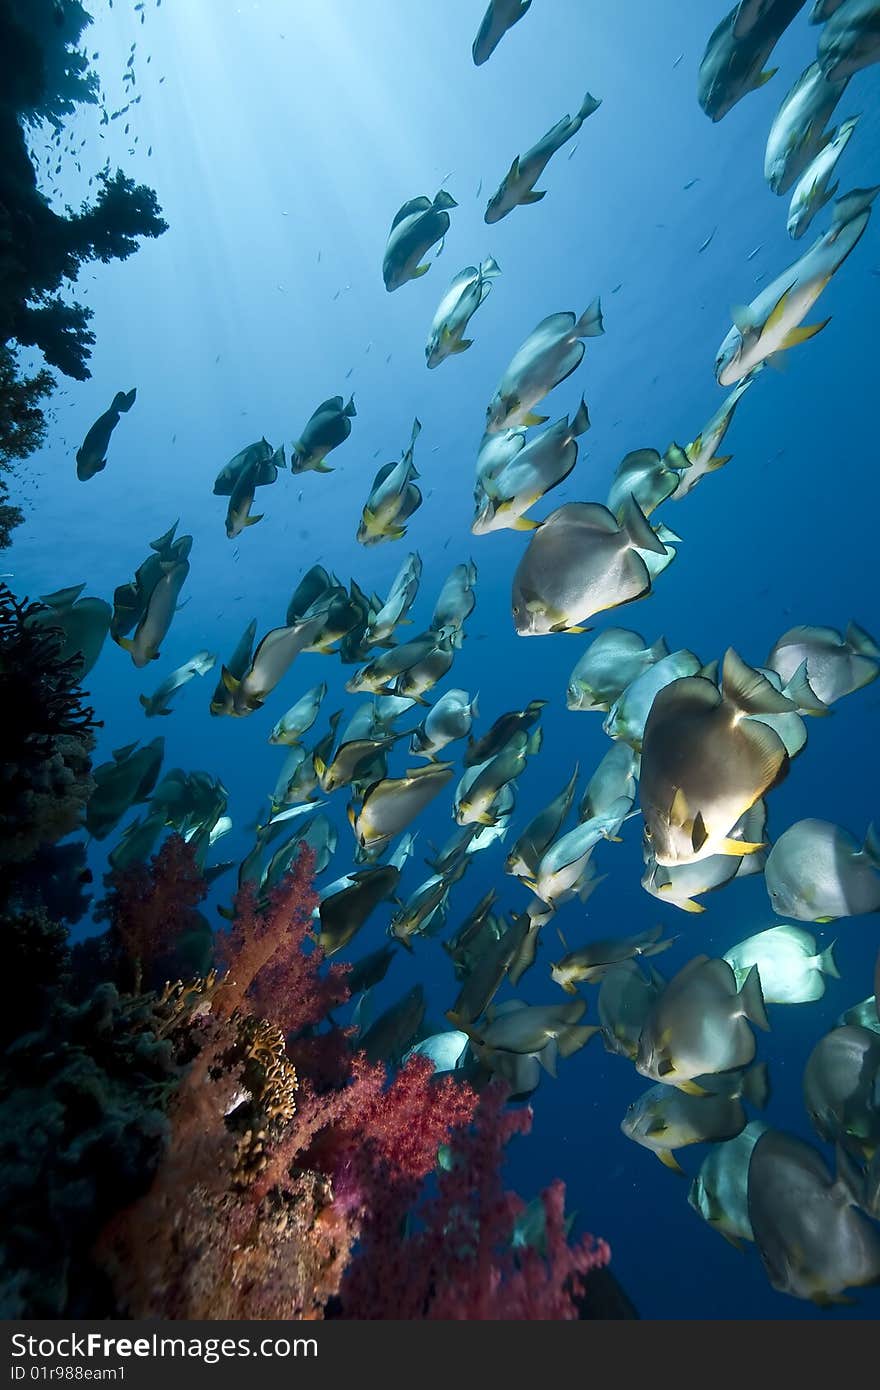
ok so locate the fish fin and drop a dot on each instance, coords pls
(742, 318)
(718, 462)
(823, 921)
(687, 904)
(871, 848)
(229, 680)
(803, 333)
(352, 818)
(534, 196)
(691, 1088)
(749, 691)
(638, 528)
(861, 641)
(322, 468)
(740, 847)
(668, 1159)
(125, 643)
(763, 78)
(419, 271)
(572, 1039)
(827, 963)
(751, 996)
(678, 813)
(462, 345)
(756, 1085)
(533, 419)
(699, 833)
(590, 323)
(252, 520)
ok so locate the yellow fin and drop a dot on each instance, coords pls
(522, 523)
(532, 419)
(777, 312)
(764, 77)
(678, 811)
(419, 271)
(691, 1088)
(229, 680)
(125, 643)
(252, 520)
(803, 334)
(740, 847)
(689, 905)
(669, 1160)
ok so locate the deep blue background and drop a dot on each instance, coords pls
(284, 137)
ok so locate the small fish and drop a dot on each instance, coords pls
(417, 226)
(500, 16)
(818, 872)
(812, 190)
(812, 1239)
(835, 665)
(300, 717)
(391, 804)
(534, 470)
(610, 664)
(393, 498)
(798, 131)
(563, 869)
(791, 968)
(708, 240)
(580, 562)
(590, 964)
(719, 1192)
(664, 1119)
(539, 834)
(461, 301)
(85, 623)
(772, 322)
(700, 456)
(700, 1025)
(198, 665)
(739, 46)
(518, 186)
(840, 1089)
(705, 762)
(850, 41)
(328, 427)
(343, 914)
(456, 600)
(91, 457)
(448, 720)
(551, 352)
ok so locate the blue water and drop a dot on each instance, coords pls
(284, 138)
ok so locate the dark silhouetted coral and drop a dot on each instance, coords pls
(46, 738)
(44, 76)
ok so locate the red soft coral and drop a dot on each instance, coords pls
(152, 907)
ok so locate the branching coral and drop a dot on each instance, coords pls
(46, 736)
(288, 1183)
(152, 912)
(459, 1261)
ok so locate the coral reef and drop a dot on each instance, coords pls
(81, 1120)
(43, 77)
(154, 925)
(294, 1165)
(46, 740)
(459, 1262)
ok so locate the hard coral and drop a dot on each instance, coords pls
(46, 736)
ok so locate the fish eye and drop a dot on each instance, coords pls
(649, 834)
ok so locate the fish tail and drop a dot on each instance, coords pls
(872, 846)
(588, 106)
(124, 400)
(756, 1085)
(590, 324)
(751, 997)
(827, 964)
(860, 641)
